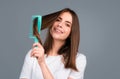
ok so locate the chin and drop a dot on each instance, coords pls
(57, 37)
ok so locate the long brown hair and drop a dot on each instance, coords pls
(70, 48)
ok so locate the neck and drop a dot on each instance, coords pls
(55, 47)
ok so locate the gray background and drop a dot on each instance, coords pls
(100, 25)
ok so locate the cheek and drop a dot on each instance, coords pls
(50, 31)
(54, 24)
(68, 30)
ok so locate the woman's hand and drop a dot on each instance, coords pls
(38, 52)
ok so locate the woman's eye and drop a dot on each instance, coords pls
(57, 19)
(68, 25)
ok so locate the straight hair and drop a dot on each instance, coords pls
(70, 48)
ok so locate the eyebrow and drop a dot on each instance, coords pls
(65, 21)
(69, 22)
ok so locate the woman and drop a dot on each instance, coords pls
(58, 58)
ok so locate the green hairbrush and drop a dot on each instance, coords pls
(36, 22)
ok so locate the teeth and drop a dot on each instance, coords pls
(58, 30)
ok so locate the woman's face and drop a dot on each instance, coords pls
(62, 26)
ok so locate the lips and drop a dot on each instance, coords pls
(58, 30)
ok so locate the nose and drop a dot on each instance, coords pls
(60, 25)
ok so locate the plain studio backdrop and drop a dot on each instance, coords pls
(99, 26)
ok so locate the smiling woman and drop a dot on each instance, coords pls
(62, 26)
(58, 58)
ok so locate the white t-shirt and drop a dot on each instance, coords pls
(32, 70)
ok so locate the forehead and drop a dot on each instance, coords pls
(66, 16)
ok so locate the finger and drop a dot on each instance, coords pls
(34, 52)
(37, 45)
(37, 55)
(35, 49)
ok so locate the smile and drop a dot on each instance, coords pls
(57, 30)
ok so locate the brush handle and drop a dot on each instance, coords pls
(36, 40)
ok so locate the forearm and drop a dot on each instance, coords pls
(38, 52)
(45, 71)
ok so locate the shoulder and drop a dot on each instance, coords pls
(80, 56)
(81, 61)
(81, 65)
(28, 54)
(28, 57)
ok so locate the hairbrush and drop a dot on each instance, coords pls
(35, 27)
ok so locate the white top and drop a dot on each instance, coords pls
(32, 70)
